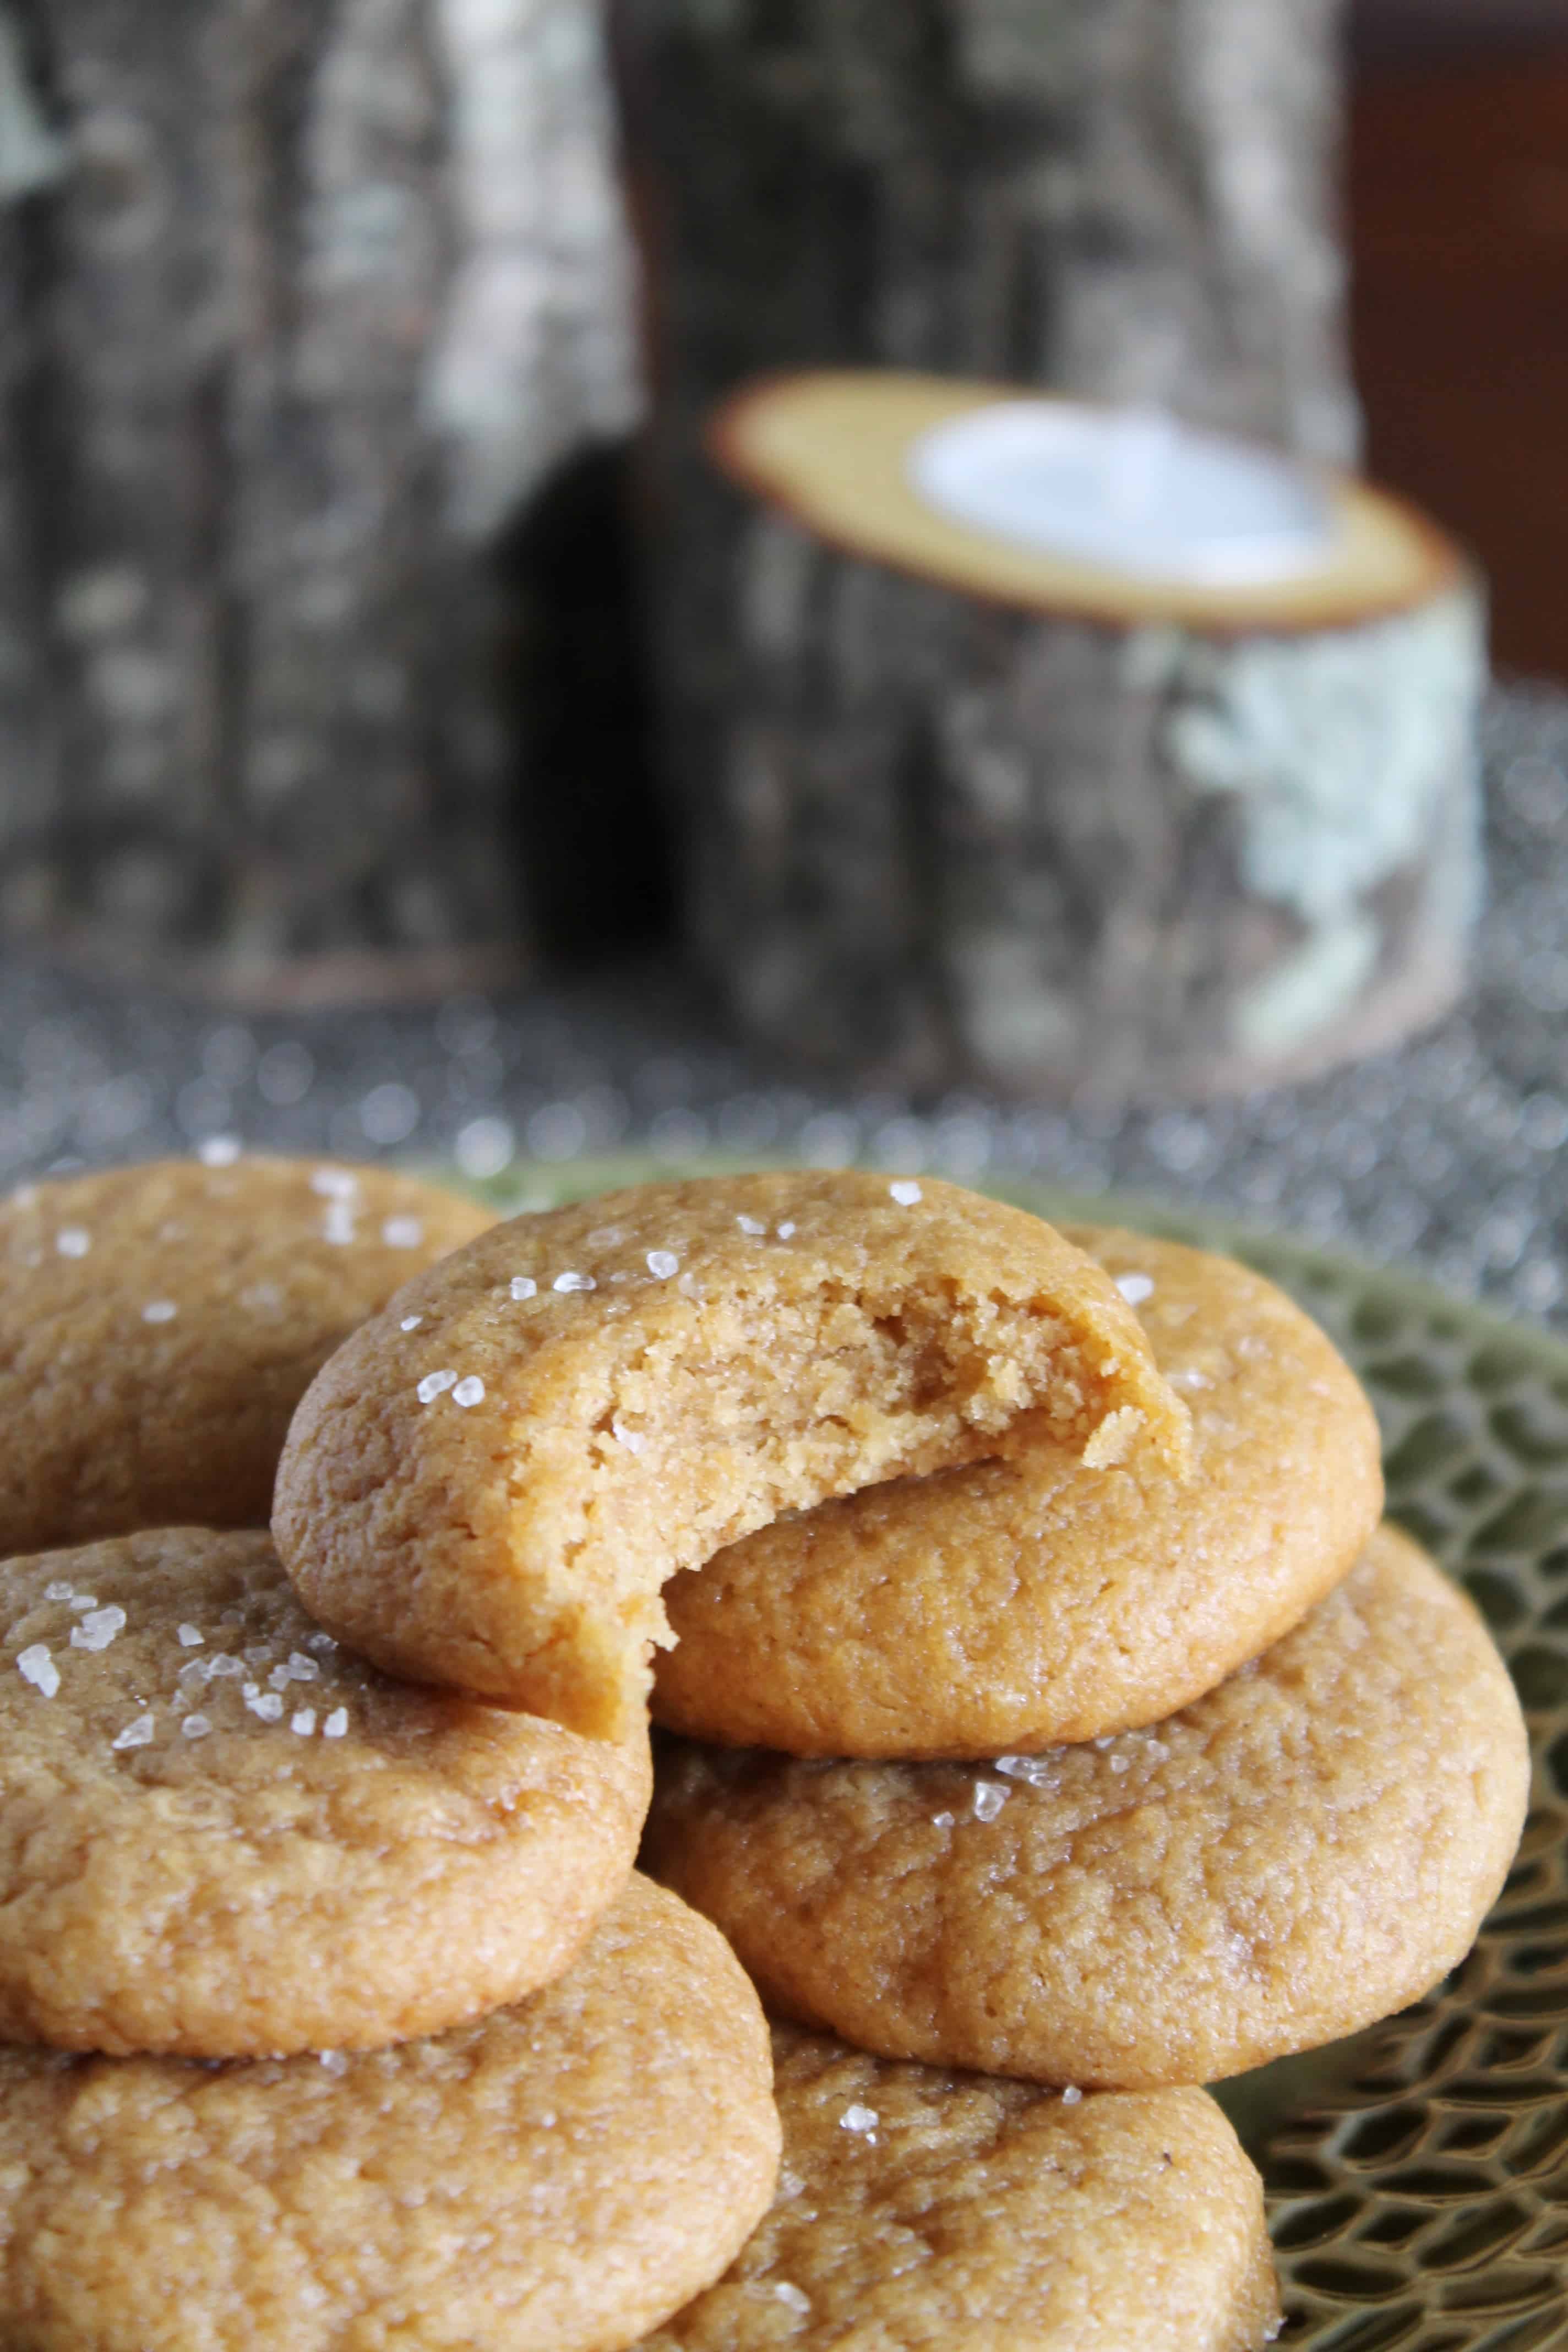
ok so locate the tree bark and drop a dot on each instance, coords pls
(322, 294)
(951, 842)
(938, 839)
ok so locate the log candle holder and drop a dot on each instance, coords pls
(1063, 749)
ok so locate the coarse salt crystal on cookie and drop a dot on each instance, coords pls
(201, 1299)
(516, 1549)
(336, 1861)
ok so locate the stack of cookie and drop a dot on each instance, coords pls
(337, 2016)
(335, 1872)
(1097, 1778)
(660, 1372)
(1148, 1781)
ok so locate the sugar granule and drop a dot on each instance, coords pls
(159, 1310)
(469, 1391)
(632, 1439)
(190, 1637)
(793, 2296)
(136, 1735)
(857, 2118)
(663, 1263)
(336, 1724)
(524, 1286)
(267, 1705)
(785, 1232)
(304, 1722)
(82, 1601)
(218, 1151)
(325, 1643)
(36, 1666)
(403, 1233)
(1135, 1287)
(195, 1727)
(332, 2062)
(572, 1280)
(941, 1821)
(435, 1384)
(906, 1191)
(1071, 2095)
(411, 1323)
(338, 1225)
(334, 1183)
(73, 1241)
(752, 1225)
(990, 1796)
(58, 1591)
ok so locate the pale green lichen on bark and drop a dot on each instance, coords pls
(1338, 753)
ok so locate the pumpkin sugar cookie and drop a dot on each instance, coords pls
(557, 2178)
(222, 1835)
(1307, 1849)
(942, 2212)
(488, 1485)
(158, 1324)
(1012, 1603)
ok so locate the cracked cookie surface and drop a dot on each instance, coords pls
(1305, 1849)
(942, 2212)
(223, 1835)
(557, 2178)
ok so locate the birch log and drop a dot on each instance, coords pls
(933, 835)
(319, 297)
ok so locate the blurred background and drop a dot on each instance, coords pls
(1457, 208)
(418, 739)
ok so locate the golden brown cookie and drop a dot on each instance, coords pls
(940, 2212)
(1307, 1849)
(598, 1396)
(1012, 1603)
(557, 2178)
(220, 1834)
(158, 1324)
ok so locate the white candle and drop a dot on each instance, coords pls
(1132, 489)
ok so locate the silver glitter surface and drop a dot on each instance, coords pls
(1446, 1156)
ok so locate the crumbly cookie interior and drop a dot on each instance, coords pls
(714, 1429)
(489, 1486)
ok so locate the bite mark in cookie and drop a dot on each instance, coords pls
(594, 1397)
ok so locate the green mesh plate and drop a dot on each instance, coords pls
(1418, 2173)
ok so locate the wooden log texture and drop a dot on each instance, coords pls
(936, 839)
(321, 296)
(948, 841)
